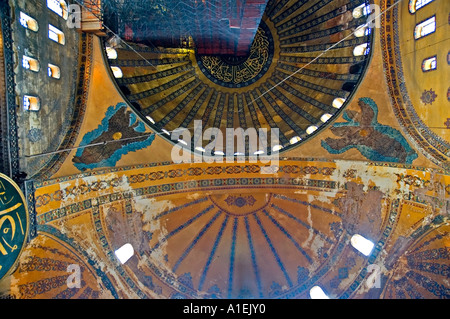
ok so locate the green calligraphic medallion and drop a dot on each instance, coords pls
(13, 224)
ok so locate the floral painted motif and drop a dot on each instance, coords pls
(428, 97)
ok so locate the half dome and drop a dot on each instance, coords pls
(305, 56)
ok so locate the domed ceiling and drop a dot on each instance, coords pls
(296, 77)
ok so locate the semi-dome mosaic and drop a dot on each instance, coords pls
(304, 63)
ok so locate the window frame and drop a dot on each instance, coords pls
(424, 36)
(58, 32)
(51, 67)
(30, 59)
(415, 6)
(64, 9)
(31, 97)
(26, 17)
(426, 59)
(366, 49)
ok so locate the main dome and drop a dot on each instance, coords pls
(304, 63)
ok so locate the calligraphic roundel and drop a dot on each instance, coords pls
(13, 224)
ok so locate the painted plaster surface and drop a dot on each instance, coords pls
(270, 236)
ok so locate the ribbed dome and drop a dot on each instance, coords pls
(304, 64)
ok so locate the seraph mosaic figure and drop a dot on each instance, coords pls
(119, 133)
(373, 140)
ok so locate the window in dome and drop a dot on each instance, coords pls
(362, 31)
(53, 71)
(59, 7)
(30, 63)
(311, 129)
(362, 244)
(324, 118)
(362, 49)
(317, 293)
(31, 103)
(295, 140)
(124, 253)
(415, 5)
(425, 28)
(111, 53)
(429, 64)
(361, 10)
(56, 35)
(276, 148)
(28, 22)
(117, 72)
(150, 119)
(338, 102)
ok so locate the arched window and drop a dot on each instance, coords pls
(311, 129)
(117, 72)
(362, 31)
(150, 119)
(56, 35)
(30, 63)
(338, 102)
(295, 140)
(31, 103)
(276, 148)
(200, 149)
(124, 253)
(425, 28)
(429, 64)
(53, 71)
(324, 118)
(59, 7)
(361, 49)
(362, 244)
(28, 22)
(415, 5)
(317, 293)
(111, 53)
